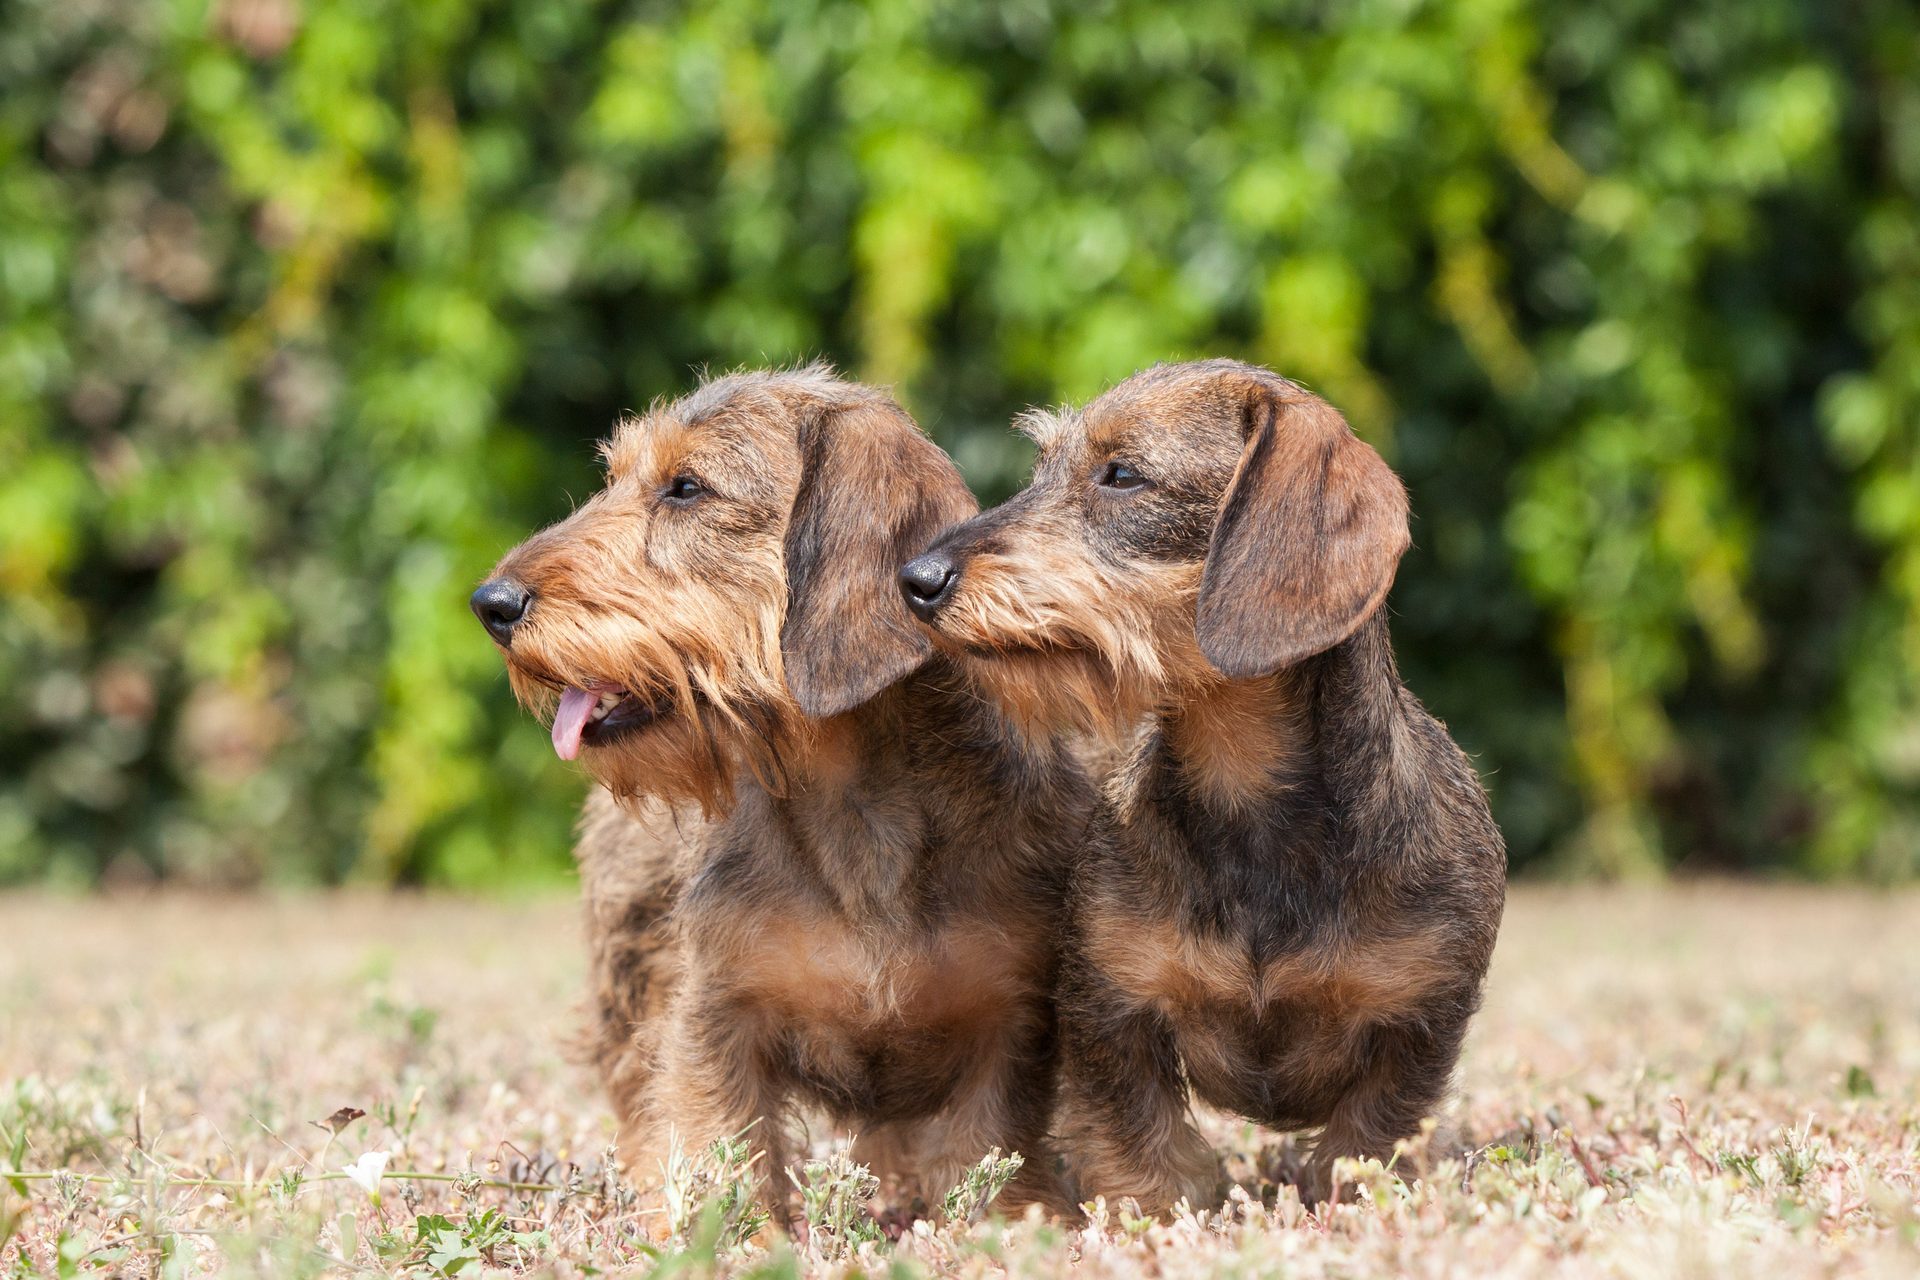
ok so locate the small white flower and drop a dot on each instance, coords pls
(367, 1171)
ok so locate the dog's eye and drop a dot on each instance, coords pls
(1119, 475)
(682, 489)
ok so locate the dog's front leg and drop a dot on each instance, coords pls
(1131, 1134)
(714, 1084)
(1005, 1101)
(1409, 1071)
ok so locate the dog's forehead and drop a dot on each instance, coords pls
(1191, 397)
(1170, 421)
(751, 429)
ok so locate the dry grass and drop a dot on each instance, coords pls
(1719, 1080)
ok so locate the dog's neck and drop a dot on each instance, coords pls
(865, 806)
(1237, 744)
(865, 746)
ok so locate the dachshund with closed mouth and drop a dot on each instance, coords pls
(820, 872)
(1290, 892)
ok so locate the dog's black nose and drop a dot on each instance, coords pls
(500, 603)
(927, 582)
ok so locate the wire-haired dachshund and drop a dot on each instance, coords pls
(1291, 891)
(820, 872)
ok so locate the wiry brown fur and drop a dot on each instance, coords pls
(1290, 892)
(828, 877)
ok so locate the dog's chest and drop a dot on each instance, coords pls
(1244, 1014)
(876, 1024)
(1238, 970)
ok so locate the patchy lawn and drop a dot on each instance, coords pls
(1718, 1080)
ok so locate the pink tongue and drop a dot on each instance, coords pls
(570, 720)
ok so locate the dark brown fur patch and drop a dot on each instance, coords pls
(1306, 543)
(878, 491)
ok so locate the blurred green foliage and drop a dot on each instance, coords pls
(307, 311)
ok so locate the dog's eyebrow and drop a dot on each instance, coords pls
(618, 449)
(1042, 426)
(636, 437)
(1111, 432)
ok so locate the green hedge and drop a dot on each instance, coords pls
(307, 311)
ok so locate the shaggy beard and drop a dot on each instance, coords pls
(723, 717)
(1093, 654)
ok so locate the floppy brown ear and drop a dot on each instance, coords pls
(1307, 541)
(873, 493)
